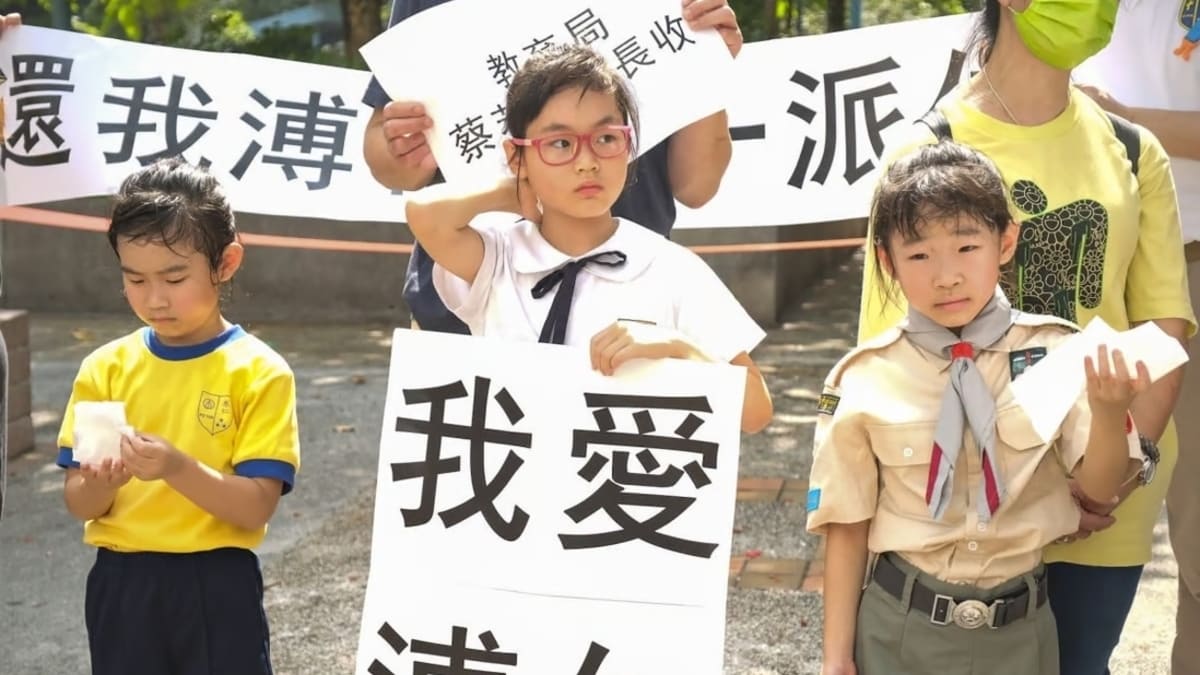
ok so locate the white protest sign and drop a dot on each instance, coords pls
(1049, 388)
(529, 505)
(285, 138)
(678, 76)
(81, 113)
(813, 117)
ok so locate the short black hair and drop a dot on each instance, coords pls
(937, 183)
(557, 69)
(173, 202)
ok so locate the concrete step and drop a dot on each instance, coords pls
(20, 436)
(20, 398)
(14, 326)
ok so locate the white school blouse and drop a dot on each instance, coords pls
(661, 282)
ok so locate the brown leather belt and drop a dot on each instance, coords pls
(944, 609)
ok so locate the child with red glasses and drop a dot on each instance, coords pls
(569, 272)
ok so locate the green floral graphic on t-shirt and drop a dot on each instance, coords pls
(1060, 254)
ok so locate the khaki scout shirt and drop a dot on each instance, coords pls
(873, 444)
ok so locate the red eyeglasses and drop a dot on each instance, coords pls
(559, 149)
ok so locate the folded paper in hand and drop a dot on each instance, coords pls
(1049, 388)
(98, 428)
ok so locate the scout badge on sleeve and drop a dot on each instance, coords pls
(828, 403)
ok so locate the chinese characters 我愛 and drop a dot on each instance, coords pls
(39, 82)
(456, 658)
(613, 496)
(436, 430)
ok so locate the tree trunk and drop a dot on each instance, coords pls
(60, 14)
(770, 21)
(835, 18)
(362, 22)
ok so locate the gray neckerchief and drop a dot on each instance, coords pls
(967, 401)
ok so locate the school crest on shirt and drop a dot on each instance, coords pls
(215, 412)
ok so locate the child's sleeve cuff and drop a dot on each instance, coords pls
(268, 468)
(66, 458)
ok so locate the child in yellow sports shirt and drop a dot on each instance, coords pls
(211, 446)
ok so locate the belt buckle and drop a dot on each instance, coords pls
(941, 613)
(971, 614)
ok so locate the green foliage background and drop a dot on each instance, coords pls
(765, 19)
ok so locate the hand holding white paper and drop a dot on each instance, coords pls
(1049, 388)
(469, 82)
(98, 429)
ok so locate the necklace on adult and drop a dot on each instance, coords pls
(988, 80)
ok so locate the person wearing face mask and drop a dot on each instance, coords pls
(1153, 78)
(1100, 237)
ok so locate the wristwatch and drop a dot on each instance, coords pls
(1150, 457)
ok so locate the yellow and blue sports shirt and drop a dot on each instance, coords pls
(229, 402)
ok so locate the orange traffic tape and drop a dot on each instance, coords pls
(74, 221)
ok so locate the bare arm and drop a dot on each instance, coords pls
(622, 342)
(1106, 465)
(845, 565)
(245, 502)
(1152, 408)
(1111, 390)
(697, 157)
(439, 220)
(1177, 130)
(699, 153)
(87, 498)
(757, 408)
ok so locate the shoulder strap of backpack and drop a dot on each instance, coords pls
(938, 124)
(1129, 137)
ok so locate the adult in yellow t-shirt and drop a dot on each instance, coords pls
(1096, 240)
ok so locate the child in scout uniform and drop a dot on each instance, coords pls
(924, 461)
(212, 443)
(569, 272)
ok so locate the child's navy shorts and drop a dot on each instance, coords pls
(177, 614)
